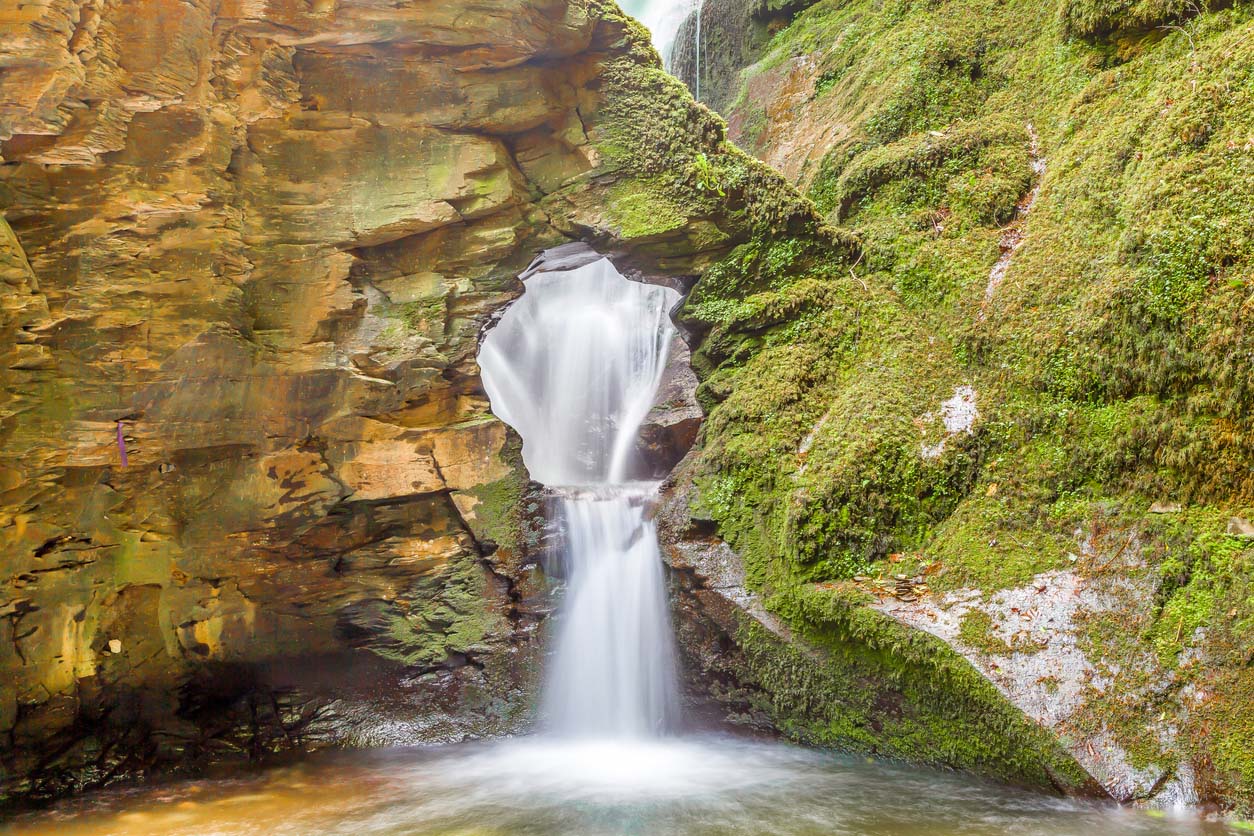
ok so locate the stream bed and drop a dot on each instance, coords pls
(696, 786)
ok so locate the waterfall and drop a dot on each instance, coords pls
(689, 52)
(662, 18)
(574, 366)
(696, 92)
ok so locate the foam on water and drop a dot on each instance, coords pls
(540, 786)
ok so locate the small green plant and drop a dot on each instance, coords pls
(706, 176)
(977, 630)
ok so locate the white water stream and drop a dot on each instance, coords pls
(662, 18)
(574, 366)
(696, 53)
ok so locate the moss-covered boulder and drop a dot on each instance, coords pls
(1018, 418)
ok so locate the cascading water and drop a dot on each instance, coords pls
(662, 18)
(680, 47)
(574, 366)
(696, 90)
(613, 669)
(688, 53)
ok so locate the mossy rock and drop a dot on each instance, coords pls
(1108, 353)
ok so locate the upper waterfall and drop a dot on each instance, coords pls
(574, 366)
(662, 18)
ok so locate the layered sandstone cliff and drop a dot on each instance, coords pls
(1019, 426)
(251, 494)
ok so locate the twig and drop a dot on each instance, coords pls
(1122, 548)
(855, 276)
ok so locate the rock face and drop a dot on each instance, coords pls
(251, 494)
(842, 676)
(732, 35)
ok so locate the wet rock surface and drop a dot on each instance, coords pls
(670, 428)
(860, 683)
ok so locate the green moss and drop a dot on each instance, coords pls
(643, 210)
(442, 614)
(923, 206)
(976, 630)
(501, 511)
(1207, 580)
(424, 315)
(1092, 18)
(649, 127)
(995, 543)
(1232, 751)
(1111, 361)
(862, 682)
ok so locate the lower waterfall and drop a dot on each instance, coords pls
(574, 367)
(613, 671)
